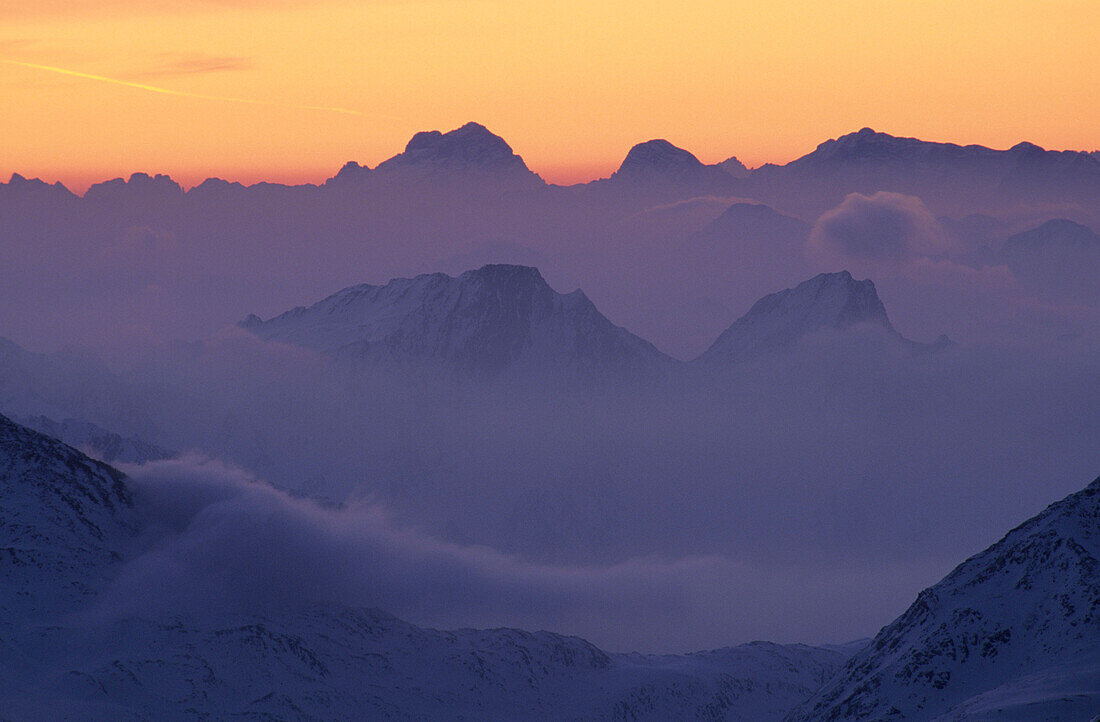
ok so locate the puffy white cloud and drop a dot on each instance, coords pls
(882, 229)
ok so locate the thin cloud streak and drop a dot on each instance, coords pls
(194, 64)
(179, 93)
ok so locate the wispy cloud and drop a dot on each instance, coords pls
(172, 64)
(21, 9)
(179, 93)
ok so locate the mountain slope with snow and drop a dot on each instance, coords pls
(337, 663)
(833, 301)
(65, 521)
(96, 441)
(68, 523)
(482, 322)
(1013, 633)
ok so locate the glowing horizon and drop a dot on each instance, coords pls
(105, 88)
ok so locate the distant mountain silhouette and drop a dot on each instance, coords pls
(1059, 259)
(950, 178)
(658, 162)
(449, 194)
(735, 167)
(469, 149)
(141, 188)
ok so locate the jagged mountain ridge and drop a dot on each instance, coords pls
(66, 521)
(481, 322)
(1011, 633)
(473, 147)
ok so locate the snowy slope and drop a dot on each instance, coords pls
(1013, 633)
(68, 524)
(826, 301)
(65, 520)
(96, 441)
(481, 323)
(334, 663)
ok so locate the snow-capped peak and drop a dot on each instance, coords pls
(480, 322)
(828, 300)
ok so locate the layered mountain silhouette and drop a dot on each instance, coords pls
(751, 235)
(457, 193)
(865, 161)
(482, 322)
(1013, 633)
(660, 162)
(1059, 259)
(949, 178)
(833, 301)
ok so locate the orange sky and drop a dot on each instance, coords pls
(571, 85)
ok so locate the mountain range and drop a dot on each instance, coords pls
(1012, 633)
(507, 317)
(865, 161)
(663, 236)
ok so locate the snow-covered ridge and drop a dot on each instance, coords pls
(1011, 633)
(481, 322)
